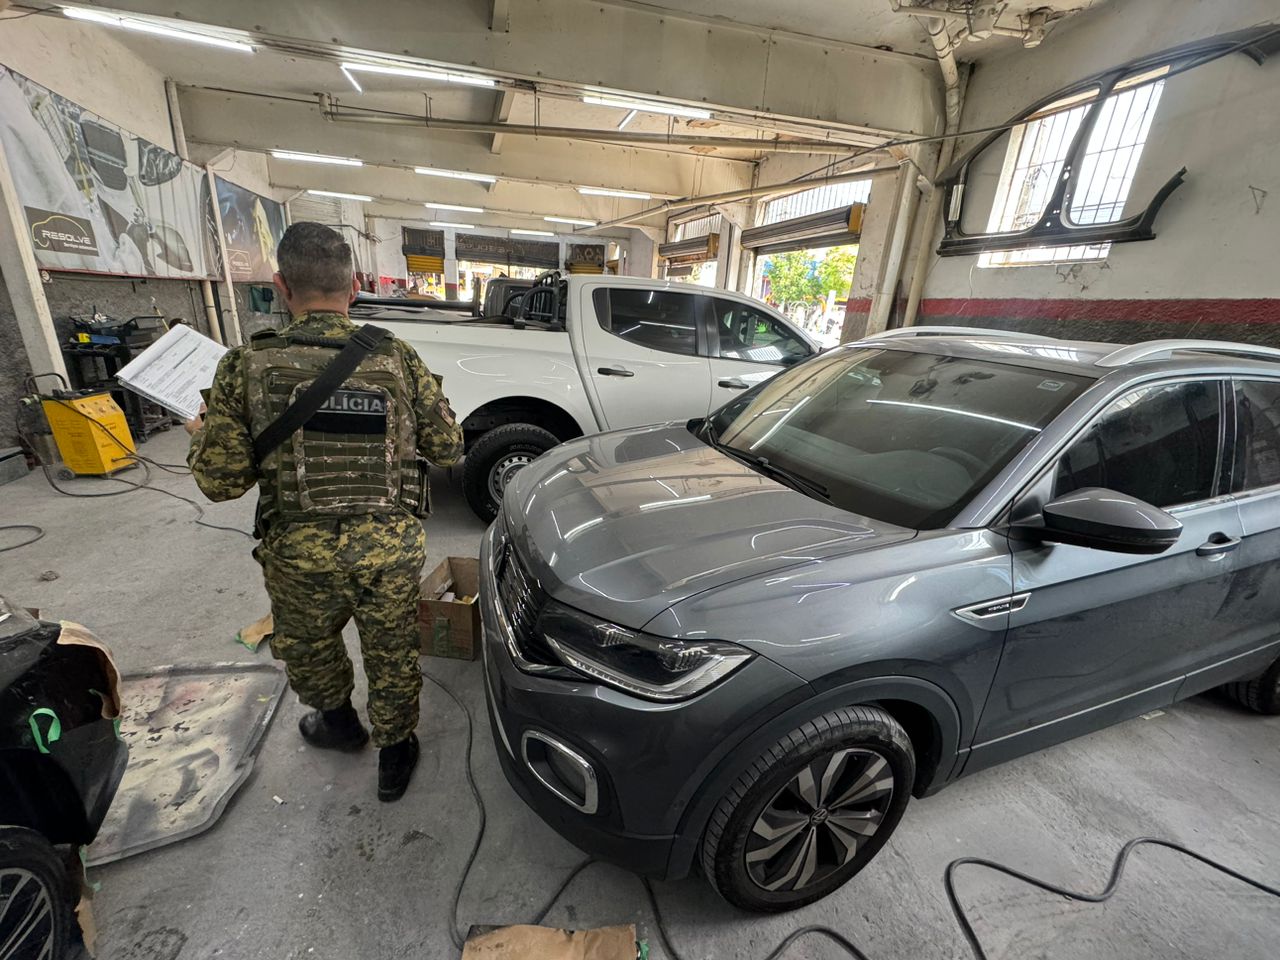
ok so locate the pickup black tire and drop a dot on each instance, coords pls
(495, 458)
(811, 812)
(1261, 694)
(35, 896)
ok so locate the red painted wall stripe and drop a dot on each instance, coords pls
(1220, 311)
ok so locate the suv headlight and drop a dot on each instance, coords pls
(656, 668)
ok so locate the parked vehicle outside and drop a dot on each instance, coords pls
(745, 642)
(583, 354)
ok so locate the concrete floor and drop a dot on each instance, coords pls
(334, 875)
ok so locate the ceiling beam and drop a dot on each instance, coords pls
(500, 16)
(736, 69)
(501, 114)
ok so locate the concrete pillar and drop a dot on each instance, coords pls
(22, 278)
(450, 266)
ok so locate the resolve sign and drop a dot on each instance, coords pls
(60, 233)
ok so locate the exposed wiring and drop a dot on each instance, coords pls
(39, 535)
(145, 462)
(835, 936)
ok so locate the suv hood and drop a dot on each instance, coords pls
(623, 525)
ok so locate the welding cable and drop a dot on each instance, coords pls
(145, 463)
(39, 535)
(839, 939)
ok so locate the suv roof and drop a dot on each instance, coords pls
(1086, 358)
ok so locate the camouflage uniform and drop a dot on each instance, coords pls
(321, 573)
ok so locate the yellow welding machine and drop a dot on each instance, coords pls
(91, 432)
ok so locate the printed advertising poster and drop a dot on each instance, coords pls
(252, 227)
(98, 198)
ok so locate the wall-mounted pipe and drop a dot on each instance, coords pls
(945, 51)
(624, 137)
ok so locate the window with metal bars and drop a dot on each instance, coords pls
(698, 227)
(1038, 150)
(817, 200)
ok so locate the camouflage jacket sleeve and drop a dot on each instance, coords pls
(439, 433)
(221, 454)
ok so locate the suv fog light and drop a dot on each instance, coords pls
(563, 771)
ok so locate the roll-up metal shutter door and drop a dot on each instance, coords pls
(698, 250)
(827, 229)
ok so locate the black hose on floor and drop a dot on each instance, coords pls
(839, 939)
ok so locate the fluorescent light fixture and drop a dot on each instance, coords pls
(457, 226)
(571, 221)
(316, 158)
(532, 233)
(644, 106)
(341, 196)
(631, 115)
(420, 73)
(354, 82)
(455, 174)
(625, 194)
(454, 206)
(159, 30)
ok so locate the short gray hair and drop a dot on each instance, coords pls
(314, 258)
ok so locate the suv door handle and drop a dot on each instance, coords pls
(1217, 546)
(733, 383)
(615, 372)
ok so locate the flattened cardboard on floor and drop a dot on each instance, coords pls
(547, 943)
(451, 628)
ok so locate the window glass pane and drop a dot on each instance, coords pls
(1258, 430)
(658, 319)
(749, 334)
(1159, 444)
(904, 437)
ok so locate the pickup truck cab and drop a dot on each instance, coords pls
(586, 354)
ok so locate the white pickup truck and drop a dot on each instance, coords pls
(585, 354)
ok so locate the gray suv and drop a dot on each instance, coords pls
(744, 643)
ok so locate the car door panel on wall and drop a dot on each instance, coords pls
(1105, 636)
(643, 355)
(747, 346)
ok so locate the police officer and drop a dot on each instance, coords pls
(339, 500)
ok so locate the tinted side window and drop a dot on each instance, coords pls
(750, 334)
(663, 320)
(1257, 434)
(1159, 444)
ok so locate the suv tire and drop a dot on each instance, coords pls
(35, 895)
(494, 459)
(818, 804)
(1261, 694)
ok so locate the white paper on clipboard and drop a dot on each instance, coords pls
(174, 369)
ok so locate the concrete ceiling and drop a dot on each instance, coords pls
(855, 72)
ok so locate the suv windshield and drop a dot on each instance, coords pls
(904, 437)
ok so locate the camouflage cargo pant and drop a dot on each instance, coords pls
(310, 610)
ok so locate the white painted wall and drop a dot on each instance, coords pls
(86, 64)
(1220, 121)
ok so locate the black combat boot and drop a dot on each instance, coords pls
(337, 729)
(395, 767)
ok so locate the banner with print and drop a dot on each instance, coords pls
(252, 226)
(96, 197)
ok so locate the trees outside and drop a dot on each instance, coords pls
(802, 279)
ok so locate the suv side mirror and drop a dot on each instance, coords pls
(1105, 520)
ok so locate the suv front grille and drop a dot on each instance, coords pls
(522, 601)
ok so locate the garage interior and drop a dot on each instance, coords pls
(858, 166)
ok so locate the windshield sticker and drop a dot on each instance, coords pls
(1051, 385)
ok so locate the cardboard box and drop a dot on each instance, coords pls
(451, 628)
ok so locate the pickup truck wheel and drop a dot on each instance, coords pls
(35, 897)
(497, 457)
(811, 811)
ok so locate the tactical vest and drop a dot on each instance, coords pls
(356, 455)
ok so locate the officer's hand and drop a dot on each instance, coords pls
(197, 422)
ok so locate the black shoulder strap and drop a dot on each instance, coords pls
(361, 343)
